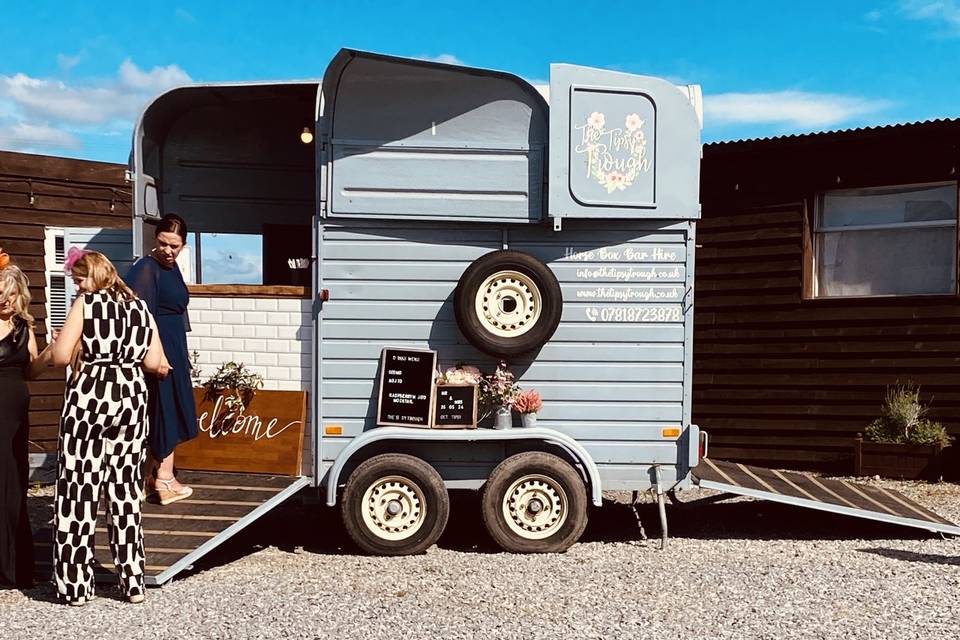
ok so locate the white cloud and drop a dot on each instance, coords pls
(445, 58)
(66, 63)
(184, 15)
(153, 81)
(22, 136)
(944, 13)
(791, 108)
(38, 107)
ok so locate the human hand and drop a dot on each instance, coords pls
(164, 370)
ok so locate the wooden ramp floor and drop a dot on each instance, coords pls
(176, 535)
(836, 496)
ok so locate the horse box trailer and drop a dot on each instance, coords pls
(452, 212)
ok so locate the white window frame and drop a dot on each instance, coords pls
(53, 268)
(819, 229)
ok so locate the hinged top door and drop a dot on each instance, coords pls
(621, 146)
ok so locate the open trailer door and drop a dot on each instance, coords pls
(835, 496)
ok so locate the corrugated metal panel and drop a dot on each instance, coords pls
(613, 374)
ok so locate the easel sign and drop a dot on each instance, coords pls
(456, 407)
(406, 387)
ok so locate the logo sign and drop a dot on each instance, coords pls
(612, 147)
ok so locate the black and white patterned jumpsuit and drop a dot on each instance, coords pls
(103, 431)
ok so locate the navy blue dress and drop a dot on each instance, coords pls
(173, 414)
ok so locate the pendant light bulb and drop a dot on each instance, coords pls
(306, 136)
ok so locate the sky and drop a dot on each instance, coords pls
(74, 75)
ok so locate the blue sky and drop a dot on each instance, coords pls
(73, 76)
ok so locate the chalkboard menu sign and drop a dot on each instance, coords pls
(456, 407)
(406, 387)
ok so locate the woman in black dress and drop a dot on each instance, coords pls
(18, 349)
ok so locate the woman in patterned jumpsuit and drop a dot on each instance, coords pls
(109, 338)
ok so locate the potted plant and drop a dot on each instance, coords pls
(528, 403)
(902, 442)
(235, 383)
(497, 393)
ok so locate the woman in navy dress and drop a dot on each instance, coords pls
(157, 280)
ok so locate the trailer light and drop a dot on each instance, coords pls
(333, 430)
(306, 136)
(670, 433)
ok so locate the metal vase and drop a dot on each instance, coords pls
(503, 418)
(529, 420)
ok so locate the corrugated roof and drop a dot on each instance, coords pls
(832, 133)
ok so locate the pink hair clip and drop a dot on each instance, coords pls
(73, 255)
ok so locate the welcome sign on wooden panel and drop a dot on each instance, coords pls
(264, 436)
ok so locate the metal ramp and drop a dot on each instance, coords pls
(835, 496)
(179, 534)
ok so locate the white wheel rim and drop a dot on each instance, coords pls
(508, 304)
(535, 507)
(393, 508)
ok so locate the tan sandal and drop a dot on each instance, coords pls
(168, 495)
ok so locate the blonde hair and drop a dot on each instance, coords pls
(98, 268)
(14, 282)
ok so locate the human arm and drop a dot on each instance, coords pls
(39, 361)
(155, 360)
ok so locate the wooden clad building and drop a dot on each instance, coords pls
(826, 270)
(40, 197)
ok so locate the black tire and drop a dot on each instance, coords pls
(512, 488)
(524, 309)
(412, 484)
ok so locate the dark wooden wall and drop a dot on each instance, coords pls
(65, 193)
(784, 380)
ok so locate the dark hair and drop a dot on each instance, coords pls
(172, 223)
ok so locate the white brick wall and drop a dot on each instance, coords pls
(270, 336)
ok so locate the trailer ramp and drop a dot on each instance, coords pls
(835, 496)
(179, 534)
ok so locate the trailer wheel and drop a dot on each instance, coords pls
(507, 303)
(534, 502)
(395, 505)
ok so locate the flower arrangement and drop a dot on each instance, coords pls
(236, 382)
(500, 388)
(528, 401)
(460, 375)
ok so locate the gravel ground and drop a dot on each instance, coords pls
(733, 569)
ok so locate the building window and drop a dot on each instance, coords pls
(886, 241)
(59, 288)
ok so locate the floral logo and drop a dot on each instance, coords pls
(614, 157)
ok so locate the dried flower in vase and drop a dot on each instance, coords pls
(528, 401)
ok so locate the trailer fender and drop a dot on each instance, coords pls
(380, 434)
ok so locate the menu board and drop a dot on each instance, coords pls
(456, 407)
(406, 387)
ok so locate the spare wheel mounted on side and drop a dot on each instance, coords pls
(508, 303)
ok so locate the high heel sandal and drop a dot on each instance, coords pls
(168, 495)
(136, 598)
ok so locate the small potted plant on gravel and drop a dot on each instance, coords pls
(528, 403)
(902, 442)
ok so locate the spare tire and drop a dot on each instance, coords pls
(507, 303)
